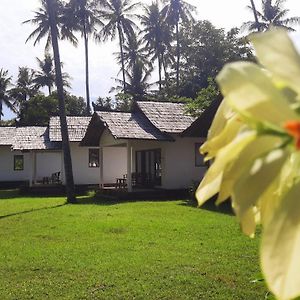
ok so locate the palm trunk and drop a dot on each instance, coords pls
(178, 57)
(159, 71)
(165, 72)
(255, 15)
(87, 88)
(0, 109)
(49, 89)
(62, 112)
(122, 57)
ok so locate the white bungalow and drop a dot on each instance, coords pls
(158, 155)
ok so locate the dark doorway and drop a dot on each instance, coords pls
(148, 168)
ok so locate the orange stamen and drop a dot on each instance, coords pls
(293, 128)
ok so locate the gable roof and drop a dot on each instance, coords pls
(7, 135)
(33, 138)
(166, 116)
(77, 127)
(125, 125)
(200, 127)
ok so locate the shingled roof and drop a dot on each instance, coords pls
(7, 135)
(124, 125)
(77, 127)
(33, 138)
(166, 116)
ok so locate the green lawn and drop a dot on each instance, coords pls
(134, 250)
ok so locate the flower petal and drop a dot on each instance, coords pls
(280, 247)
(276, 52)
(251, 93)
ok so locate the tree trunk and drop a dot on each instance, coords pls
(159, 71)
(49, 89)
(122, 57)
(166, 72)
(86, 45)
(62, 112)
(1, 109)
(255, 15)
(178, 57)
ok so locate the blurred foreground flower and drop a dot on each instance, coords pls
(255, 142)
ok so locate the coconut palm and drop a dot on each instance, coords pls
(85, 15)
(133, 51)
(255, 14)
(119, 16)
(177, 11)
(5, 99)
(45, 76)
(273, 14)
(136, 83)
(41, 20)
(25, 87)
(52, 11)
(157, 35)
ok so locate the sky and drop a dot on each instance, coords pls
(103, 68)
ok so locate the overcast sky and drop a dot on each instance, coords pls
(14, 52)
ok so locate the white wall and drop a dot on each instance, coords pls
(7, 172)
(114, 163)
(178, 161)
(47, 163)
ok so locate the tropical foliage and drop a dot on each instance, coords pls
(272, 13)
(5, 99)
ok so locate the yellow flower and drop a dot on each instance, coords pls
(254, 142)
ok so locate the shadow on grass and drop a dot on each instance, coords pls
(210, 205)
(9, 194)
(30, 211)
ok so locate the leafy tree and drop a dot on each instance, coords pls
(25, 86)
(119, 15)
(255, 15)
(103, 104)
(85, 15)
(204, 98)
(133, 51)
(124, 102)
(205, 50)
(157, 36)
(42, 22)
(40, 108)
(178, 11)
(5, 99)
(273, 14)
(136, 83)
(45, 76)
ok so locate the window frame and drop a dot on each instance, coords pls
(90, 163)
(16, 157)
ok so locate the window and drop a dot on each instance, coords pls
(94, 158)
(199, 162)
(18, 162)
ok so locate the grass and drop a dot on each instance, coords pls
(134, 250)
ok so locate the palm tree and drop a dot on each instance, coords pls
(133, 51)
(137, 82)
(157, 36)
(85, 17)
(119, 15)
(25, 87)
(45, 76)
(273, 14)
(5, 82)
(255, 14)
(41, 20)
(52, 10)
(176, 11)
